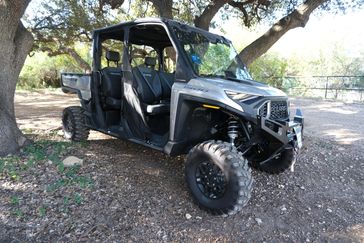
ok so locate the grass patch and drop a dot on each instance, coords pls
(32, 155)
(46, 153)
(14, 200)
(18, 213)
(42, 211)
(10, 167)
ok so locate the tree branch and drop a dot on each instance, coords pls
(113, 3)
(203, 21)
(80, 61)
(297, 18)
(68, 51)
(241, 7)
(256, 6)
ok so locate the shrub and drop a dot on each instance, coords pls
(43, 71)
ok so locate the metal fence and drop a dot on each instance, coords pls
(346, 88)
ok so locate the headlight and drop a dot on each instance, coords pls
(239, 96)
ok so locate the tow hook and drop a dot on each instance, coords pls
(296, 154)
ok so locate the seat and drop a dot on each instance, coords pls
(111, 83)
(167, 80)
(149, 87)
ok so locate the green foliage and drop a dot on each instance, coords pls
(42, 211)
(77, 198)
(14, 166)
(18, 213)
(10, 167)
(43, 71)
(14, 200)
(61, 24)
(335, 61)
(295, 71)
(216, 58)
(60, 27)
(270, 69)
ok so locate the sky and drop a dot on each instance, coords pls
(321, 32)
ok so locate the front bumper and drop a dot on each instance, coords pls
(285, 131)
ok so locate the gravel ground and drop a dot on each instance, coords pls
(124, 191)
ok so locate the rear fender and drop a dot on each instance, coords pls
(77, 83)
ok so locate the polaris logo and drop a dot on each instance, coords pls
(196, 88)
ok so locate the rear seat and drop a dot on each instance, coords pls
(111, 83)
(167, 80)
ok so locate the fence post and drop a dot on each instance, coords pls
(326, 86)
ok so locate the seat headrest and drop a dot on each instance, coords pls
(113, 56)
(150, 61)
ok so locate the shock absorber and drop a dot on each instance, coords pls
(232, 129)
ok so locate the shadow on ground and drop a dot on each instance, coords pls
(140, 194)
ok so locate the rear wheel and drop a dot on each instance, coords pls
(218, 177)
(73, 122)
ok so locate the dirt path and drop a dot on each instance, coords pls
(41, 110)
(337, 121)
(139, 194)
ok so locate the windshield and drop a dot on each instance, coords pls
(212, 56)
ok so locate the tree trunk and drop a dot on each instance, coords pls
(164, 8)
(68, 51)
(203, 21)
(298, 18)
(16, 43)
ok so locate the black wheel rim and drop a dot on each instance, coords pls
(210, 180)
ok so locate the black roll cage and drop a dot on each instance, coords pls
(184, 70)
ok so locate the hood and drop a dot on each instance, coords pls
(245, 86)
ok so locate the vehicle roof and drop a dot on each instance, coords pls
(165, 21)
(132, 22)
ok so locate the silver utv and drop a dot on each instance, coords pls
(202, 103)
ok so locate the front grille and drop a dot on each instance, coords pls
(263, 111)
(278, 110)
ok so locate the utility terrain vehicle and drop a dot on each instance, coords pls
(183, 90)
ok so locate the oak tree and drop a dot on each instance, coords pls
(15, 43)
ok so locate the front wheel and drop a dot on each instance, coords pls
(278, 164)
(73, 122)
(218, 177)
